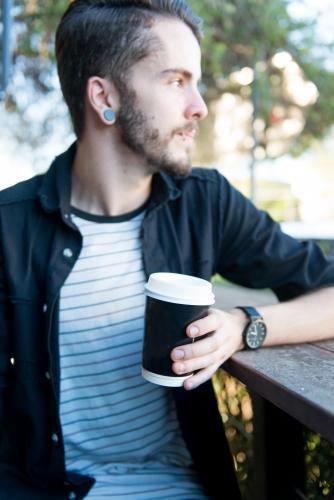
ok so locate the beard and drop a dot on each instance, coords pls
(145, 140)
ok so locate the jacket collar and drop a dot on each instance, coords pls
(55, 191)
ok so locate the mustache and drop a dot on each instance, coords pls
(189, 127)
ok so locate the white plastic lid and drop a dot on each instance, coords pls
(180, 288)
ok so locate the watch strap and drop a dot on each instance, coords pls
(250, 312)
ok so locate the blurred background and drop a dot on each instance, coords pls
(268, 80)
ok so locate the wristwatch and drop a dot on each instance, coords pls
(255, 331)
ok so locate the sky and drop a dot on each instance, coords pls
(323, 11)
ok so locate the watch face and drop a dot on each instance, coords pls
(255, 334)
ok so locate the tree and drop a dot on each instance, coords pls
(249, 34)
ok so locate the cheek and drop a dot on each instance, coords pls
(163, 109)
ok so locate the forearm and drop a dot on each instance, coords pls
(307, 318)
(304, 319)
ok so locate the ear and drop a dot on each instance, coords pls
(102, 96)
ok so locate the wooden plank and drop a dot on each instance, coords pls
(326, 344)
(298, 379)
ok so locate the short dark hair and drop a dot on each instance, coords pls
(105, 38)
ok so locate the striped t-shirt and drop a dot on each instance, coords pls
(117, 427)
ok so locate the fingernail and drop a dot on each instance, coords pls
(194, 330)
(178, 354)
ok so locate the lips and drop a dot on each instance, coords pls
(187, 133)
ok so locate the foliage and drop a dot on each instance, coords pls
(35, 22)
(319, 460)
(235, 407)
(248, 33)
(236, 410)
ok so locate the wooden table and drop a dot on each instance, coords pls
(299, 379)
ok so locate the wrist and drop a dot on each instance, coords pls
(241, 322)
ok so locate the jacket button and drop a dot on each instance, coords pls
(45, 308)
(55, 438)
(12, 361)
(72, 495)
(47, 375)
(67, 252)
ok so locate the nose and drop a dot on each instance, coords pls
(196, 109)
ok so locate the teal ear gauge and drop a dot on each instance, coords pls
(109, 115)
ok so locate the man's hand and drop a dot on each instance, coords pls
(224, 338)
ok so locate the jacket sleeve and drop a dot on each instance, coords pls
(254, 252)
(4, 357)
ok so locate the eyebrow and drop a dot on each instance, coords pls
(184, 72)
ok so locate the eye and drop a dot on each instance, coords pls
(177, 82)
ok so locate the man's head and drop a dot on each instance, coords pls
(117, 41)
(105, 38)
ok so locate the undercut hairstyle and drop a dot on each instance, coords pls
(106, 38)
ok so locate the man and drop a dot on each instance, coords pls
(77, 245)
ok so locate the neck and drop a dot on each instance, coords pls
(107, 178)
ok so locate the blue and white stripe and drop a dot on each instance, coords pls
(117, 427)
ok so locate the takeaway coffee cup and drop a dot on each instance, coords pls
(173, 302)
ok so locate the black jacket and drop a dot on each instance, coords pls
(199, 226)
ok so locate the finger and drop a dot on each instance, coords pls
(196, 349)
(188, 366)
(209, 323)
(200, 377)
